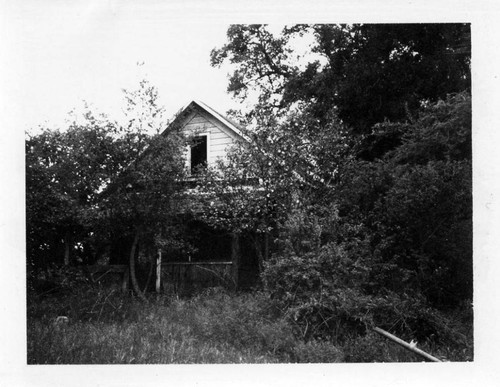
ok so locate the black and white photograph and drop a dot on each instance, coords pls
(198, 188)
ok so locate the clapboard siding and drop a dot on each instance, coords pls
(220, 148)
(218, 135)
(218, 145)
(220, 141)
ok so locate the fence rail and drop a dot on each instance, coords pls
(184, 277)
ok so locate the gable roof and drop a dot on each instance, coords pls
(231, 128)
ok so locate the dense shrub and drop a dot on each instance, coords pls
(413, 207)
(316, 295)
(390, 244)
(326, 297)
(253, 320)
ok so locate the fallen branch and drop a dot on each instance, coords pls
(408, 346)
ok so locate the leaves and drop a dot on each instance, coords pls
(368, 73)
(98, 178)
(65, 172)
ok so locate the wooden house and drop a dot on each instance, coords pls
(212, 134)
(220, 258)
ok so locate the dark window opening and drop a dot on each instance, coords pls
(198, 154)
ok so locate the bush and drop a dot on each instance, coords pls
(327, 296)
(254, 320)
(321, 292)
(414, 206)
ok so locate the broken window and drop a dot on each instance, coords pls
(198, 154)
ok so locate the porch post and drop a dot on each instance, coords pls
(158, 271)
(235, 257)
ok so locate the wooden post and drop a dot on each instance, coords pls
(235, 257)
(158, 272)
(406, 345)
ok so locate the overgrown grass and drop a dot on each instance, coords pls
(214, 327)
(217, 326)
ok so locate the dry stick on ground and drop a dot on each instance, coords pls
(406, 345)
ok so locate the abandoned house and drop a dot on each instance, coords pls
(219, 257)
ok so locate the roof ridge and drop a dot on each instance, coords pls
(231, 124)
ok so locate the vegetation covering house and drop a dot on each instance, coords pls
(216, 256)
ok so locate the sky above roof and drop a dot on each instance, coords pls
(67, 53)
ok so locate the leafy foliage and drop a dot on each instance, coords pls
(393, 245)
(286, 164)
(376, 228)
(97, 180)
(416, 205)
(369, 73)
(65, 172)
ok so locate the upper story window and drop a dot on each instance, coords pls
(198, 153)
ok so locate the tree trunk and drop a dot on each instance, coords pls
(133, 278)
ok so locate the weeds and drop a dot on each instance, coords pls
(104, 326)
(214, 327)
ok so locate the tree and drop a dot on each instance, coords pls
(99, 179)
(144, 201)
(64, 173)
(260, 58)
(362, 73)
(354, 67)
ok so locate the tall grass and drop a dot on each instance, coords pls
(217, 326)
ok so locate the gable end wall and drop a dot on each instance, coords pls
(198, 123)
